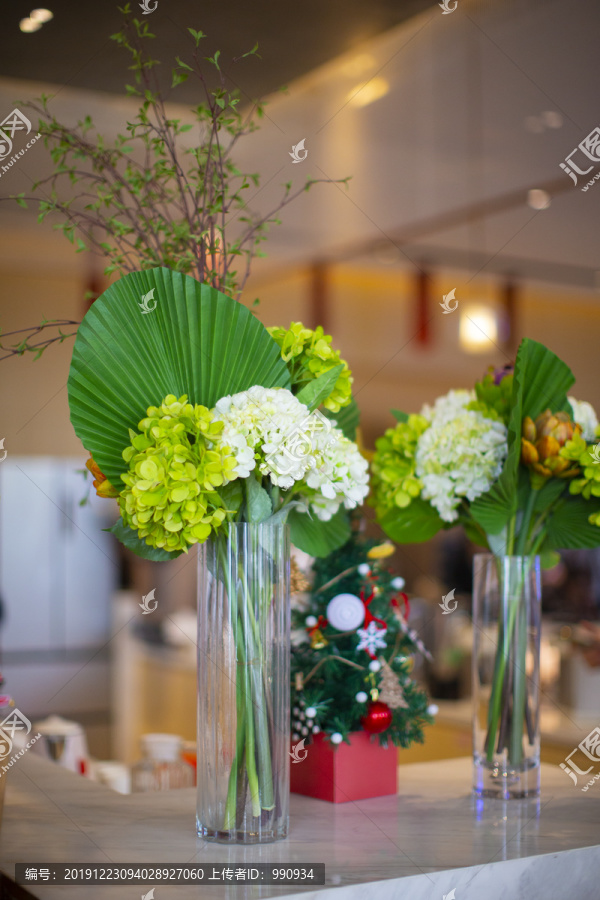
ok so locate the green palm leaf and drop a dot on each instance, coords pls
(195, 341)
(541, 380)
(346, 419)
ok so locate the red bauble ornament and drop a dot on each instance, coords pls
(378, 718)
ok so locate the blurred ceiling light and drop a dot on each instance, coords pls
(552, 118)
(548, 119)
(538, 199)
(478, 327)
(28, 25)
(358, 65)
(363, 94)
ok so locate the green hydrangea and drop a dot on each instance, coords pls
(310, 354)
(176, 463)
(394, 482)
(587, 457)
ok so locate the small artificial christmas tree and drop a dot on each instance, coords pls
(352, 651)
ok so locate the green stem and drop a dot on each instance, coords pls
(244, 707)
(538, 543)
(494, 711)
(253, 782)
(524, 530)
(258, 710)
(519, 683)
(252, 715)
(231, 803)
(510, 538)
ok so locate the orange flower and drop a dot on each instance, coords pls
(541, 444)
(103, 486)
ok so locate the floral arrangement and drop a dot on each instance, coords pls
(241, 439)
(352, 650)
(516, 461)
(195, 418)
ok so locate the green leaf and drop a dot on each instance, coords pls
(316, 391)
(549, 559)
(540, 380)
(475, 535)
(232, 495)
(129, 538)
(282, 514)
(412, 524)
(258, 502)
(346, 419)
(197, 35)
(196, 341)
(569, 527)
(399, 415)
(315, 537)
(549, 493)
(498, 543)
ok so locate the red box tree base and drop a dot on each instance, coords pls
(338, 774)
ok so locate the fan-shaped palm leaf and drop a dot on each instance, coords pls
(129, 354)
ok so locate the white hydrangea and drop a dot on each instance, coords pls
(269, 420)
(447, 407)
(584, 415)
(460, 455)
(244, 454)
(291, 445)
(340, 475)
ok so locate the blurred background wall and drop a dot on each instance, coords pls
(452, 128)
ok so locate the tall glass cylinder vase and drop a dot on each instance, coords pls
(243, 685)
(506, 666)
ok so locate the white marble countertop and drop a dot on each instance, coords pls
(430, 838)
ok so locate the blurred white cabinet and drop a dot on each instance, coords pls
(58, 570)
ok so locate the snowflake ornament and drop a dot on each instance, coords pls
(371, 638)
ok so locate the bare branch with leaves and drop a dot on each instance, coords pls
(147, 199)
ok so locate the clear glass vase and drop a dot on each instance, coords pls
(243, 685)
(506, 666)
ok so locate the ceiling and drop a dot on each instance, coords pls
(481, 106)
(293, 37)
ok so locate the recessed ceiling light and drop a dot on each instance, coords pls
(538, 199)
(28, 25)
(478, 326)
(362, 95)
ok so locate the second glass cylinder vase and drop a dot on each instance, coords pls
(243, 685)
(506, 664)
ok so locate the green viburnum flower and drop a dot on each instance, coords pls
(393, 466)
(494, 393)
(588, 458)
(310, 354)
(176, 465)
